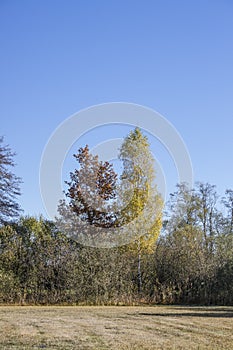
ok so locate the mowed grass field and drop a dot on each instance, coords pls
(143, 327)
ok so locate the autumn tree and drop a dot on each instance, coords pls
(9, 185)
(141, 202)
(91, 190)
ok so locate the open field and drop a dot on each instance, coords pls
(143, 327)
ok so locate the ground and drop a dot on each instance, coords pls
(117, 328)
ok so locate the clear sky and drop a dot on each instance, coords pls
(58, 57)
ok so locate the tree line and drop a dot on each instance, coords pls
(183, 257)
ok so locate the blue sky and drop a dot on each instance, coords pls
(58, 57)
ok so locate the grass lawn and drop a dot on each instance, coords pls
(143, 327)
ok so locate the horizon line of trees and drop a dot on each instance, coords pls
(186, 257)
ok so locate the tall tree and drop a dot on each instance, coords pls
(207, 198)
(9, 185)
(228, 202)
(182, 208)
(142, 204)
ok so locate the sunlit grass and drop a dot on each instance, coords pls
(155, 327)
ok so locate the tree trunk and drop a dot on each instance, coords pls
(139, 269)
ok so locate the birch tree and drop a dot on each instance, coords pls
(142, 203)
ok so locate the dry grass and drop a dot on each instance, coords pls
(155, 327)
